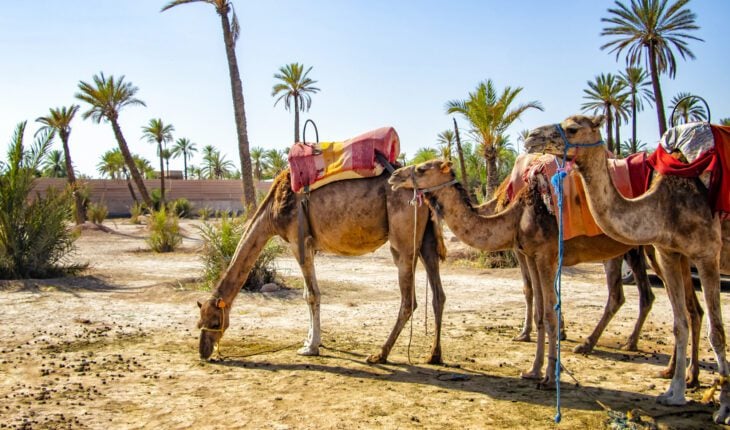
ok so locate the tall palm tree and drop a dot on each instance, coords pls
(687, 108)
(112, 164)
(107, 96)
(276, 162)
(294, 85)
(231, 31)
(649, 31)
(445, 140)
(258, 158)
(185, 147)
(637, 83)
(603, 95)
(58, 122)
(160, 133)
(490, 114)
(621, 115)
(217, 166)
(54, 165)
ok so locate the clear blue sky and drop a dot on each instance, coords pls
(377, 62)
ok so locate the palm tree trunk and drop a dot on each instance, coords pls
(609, 129)
(658, 99)
(296, 119)
(130, 187)
(462, 164)
(634, 146)
(162, 174)
(129, 161)
(490, 154)
(80, 212)
(618, 136)
(239, 111)
(185, 164)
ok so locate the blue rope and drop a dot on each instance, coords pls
(557, 182)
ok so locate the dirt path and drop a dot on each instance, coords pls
(117, 348)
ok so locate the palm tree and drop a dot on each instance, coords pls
(297, 86)
(208, 153)
(59, 121)
(160, 133)
(621, 114)
(490, 115)
(54, 165)
(107, 97)
(186, 148)
(687, 108)
(217, 166)
(258, 158)
(725, 121)
(424, 154)
(649, 31)
(112, 164)
(445, 140)
(276, 162)
(604, 95)
(231, 31)
(633, 146)
(522, 137)
(636, 81)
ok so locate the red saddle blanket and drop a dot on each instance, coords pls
(715, 160)
(318, 164)
(630, 176)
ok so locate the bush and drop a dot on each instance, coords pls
(204, 213)
(136, 211)
(219, 245)
(156, 197)
(181, 207)
(165, 231)
(34, 234)
(97, 212)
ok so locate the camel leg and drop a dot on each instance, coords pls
(695, 314)
(430, 260)
(547, 268)
(710, 276)
(404, 262)
(615, 300)
(312, 297)
(536, 371)
(669, 263)
(524, 335)
(635, 258)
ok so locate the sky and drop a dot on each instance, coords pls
(377, 63)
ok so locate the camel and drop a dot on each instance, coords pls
(527, 227)
(674, 216)
(350, 217)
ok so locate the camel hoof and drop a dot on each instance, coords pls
(667, 373)
(693, 381)
(522, 337)
(632, 346)
(376, 359)
(563, 335)
(547, 383)
(722, 416)
(531, 375)
(670, 399)
(308, 351)
(584, 348)
(435, 359)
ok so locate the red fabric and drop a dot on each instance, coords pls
(638, 173)
(716, 161)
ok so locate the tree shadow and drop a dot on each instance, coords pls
(72, 285)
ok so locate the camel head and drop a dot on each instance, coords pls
(432, 173)
(578, 129)
(213, 322)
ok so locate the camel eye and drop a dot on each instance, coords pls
(571, 129)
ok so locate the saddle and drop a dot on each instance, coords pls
(314, 165)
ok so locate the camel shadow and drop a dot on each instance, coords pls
(643, 357)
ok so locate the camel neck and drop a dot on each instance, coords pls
(488, 233)
(622, 219)
(253, 241)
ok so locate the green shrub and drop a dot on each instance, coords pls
(164, 231)
(219, 245)
(34, 234)
(204, 213)
(136, 211)
(97, 212)
(156, 197)
(181, 207)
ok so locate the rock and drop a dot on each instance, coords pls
(269, 288)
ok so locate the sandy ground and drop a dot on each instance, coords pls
(117, 348)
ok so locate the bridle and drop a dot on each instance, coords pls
(567, 144)
(418, 193)
(220, 304)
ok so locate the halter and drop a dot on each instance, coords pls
(557, 181)
(220, 304)
(418, 193)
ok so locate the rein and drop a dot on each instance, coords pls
(557, 181)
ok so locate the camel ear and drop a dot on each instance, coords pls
(200, 305)
(598, 120)
(446, 166)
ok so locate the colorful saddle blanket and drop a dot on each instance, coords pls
(630, 176)
(318, 164)
(703, 148)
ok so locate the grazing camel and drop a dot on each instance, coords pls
(674, 216)
(527, 227)
(351, 217)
